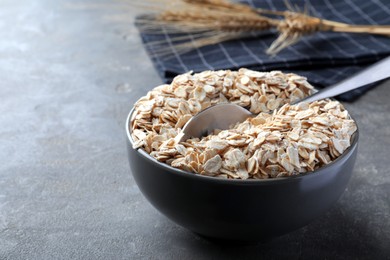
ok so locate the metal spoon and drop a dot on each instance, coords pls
(221, 116)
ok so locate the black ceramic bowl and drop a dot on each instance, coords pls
(245, 210)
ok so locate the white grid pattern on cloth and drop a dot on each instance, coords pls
(158, 62)
(378, 11)
(336, 73)
(351, 39)
(382, 6)
(337, 47)
(326, 56)
(365, 16)
(251, 54)
(177, 56)
(201, 56)
(307, 43)
(349, 11)
(232, 62)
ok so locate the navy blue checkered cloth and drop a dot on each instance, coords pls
(324, 58)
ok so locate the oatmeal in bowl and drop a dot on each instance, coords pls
(291, 140)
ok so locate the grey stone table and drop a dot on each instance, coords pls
(69, 74)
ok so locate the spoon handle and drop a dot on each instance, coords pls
(374, 73)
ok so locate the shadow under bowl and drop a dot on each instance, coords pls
(244, 210)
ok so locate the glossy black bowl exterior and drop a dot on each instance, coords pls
(244, 210)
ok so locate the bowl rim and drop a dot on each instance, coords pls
(199, 177)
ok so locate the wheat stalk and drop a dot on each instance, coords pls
(297, 23)
(197, 23)
(194, 24)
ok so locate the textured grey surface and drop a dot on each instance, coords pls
(68, 79)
